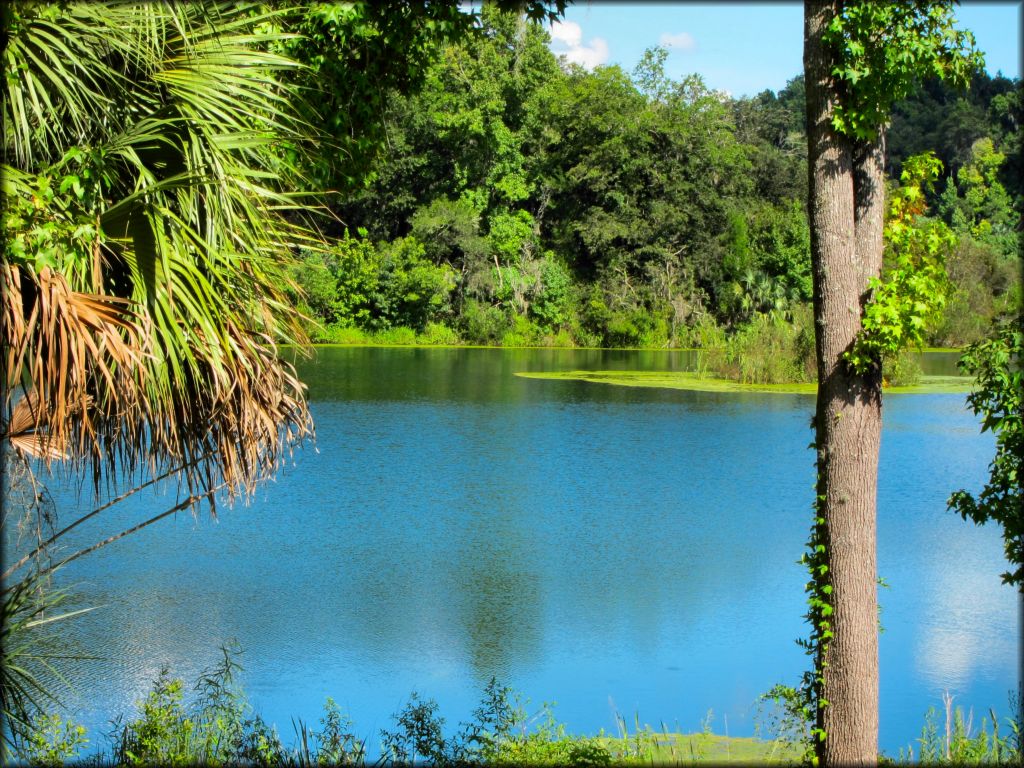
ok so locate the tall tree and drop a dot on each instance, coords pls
(356, 55)
(858, 59)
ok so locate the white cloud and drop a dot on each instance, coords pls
(567, 40)
(683, 41)
(568, 32)
(591, 55)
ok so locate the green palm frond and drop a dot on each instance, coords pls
(178, 116)
(59, 78)
(28, 669)
(151, 208)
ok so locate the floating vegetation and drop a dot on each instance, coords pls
(690, 380)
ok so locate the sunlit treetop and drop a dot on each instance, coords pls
(883, 48)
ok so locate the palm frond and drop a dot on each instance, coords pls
(27, 670)
(62, 348)
(160, 349)
(58, 79)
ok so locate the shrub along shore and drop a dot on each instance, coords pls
(215, 725)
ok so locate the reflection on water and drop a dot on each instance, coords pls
(582, 543)
(967, 624)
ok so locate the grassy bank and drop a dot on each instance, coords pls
(406, 337)
(666, 748)
(433, 335)
(446, 338)
(438, 335)
(767, 355)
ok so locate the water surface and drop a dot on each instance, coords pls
(611, 549)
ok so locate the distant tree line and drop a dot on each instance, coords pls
(516, 199)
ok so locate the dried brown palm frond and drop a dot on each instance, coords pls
(83, 385)
(61, 349)
(230, 425)
(25, 433)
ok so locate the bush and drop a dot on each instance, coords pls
(356, 284)
(656, 332)
(398, 336)
(163, 734)
(211, 730)
(316, 282)
(771, 349)
(710, 340)
(561, 339)
(483, 323)
(337, 334)
(53, 741)
(785, 713)
(436, 334)
(336, 745)
(412, 291)
(902, 370)
(636, 328)
(509, 233)
(552, 304)
(500, 733)
(353, 263)
(522, 334)
(594, 314)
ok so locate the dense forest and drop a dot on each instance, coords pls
(167, 231)
(516, 199)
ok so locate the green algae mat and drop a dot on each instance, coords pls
(689, 380)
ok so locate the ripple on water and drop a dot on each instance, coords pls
(581, 542)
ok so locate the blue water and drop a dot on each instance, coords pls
(614, 550)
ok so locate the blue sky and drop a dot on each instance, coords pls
(742, 48)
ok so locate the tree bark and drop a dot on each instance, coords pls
(846, 211)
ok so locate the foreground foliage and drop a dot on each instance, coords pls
(996, 364)
(213, 724)
(145, 253)
(150, 204)
(160, 168)
(910, 295)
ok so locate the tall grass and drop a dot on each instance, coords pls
(772, 349)
(213, 724)
(960, 741)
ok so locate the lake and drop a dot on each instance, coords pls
(614, 550)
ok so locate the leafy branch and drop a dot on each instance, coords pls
(883, 47)
(996, 365)
(912, 293)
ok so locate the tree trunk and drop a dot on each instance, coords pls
(846, 206)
